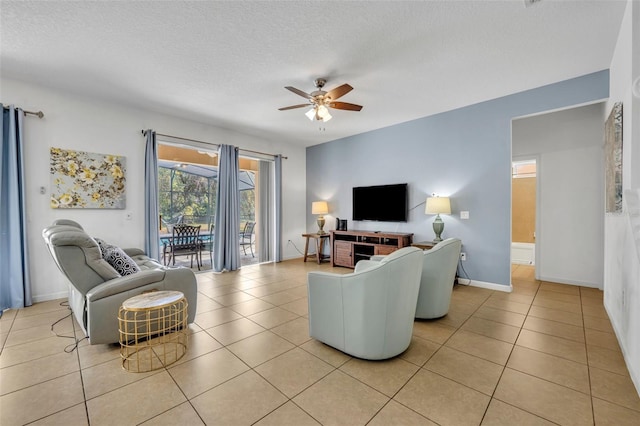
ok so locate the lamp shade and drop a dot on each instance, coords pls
(438, 205)
(319, 207)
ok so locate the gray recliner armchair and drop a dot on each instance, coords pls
(97, 290)
(369, 313)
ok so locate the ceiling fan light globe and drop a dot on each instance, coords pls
(311, 114)
(323, 111)
(327, 117)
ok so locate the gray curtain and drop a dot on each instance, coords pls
(15, 282)
(226, 248)
(278, 210)
(266, 211)
(151, 215)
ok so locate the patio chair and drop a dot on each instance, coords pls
(185, 241)
(246, 237)
(206, 243)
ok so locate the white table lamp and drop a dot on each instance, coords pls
(320, 208)
(437, 206)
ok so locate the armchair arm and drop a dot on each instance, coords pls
(142, 278)
(133, 251)
(126, 283)
(326, 322)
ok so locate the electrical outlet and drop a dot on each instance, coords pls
(463, 256)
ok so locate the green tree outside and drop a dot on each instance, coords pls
(194, 197)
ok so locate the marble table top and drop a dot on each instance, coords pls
(152, 300)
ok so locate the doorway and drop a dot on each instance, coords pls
(567, 146)
(523, 218)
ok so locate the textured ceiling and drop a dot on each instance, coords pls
(226, 63)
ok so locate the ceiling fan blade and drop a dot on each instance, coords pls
(299, 92)
(339, 92)
(294, 106)
(345, 105)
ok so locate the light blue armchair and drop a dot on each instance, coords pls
(438, 275)
(369, 313)
(439, 268)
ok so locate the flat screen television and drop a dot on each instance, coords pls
(384, 203)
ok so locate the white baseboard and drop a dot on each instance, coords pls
(523, 253)
(483, 284)
(50, 296)
(635, 375)
(570, 282)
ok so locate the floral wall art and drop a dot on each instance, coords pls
(613, 159)
(86, 180)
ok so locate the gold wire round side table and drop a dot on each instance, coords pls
(153, 330)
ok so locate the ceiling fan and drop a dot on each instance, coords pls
(320, 101)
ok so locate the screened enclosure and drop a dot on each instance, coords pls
(187, 193)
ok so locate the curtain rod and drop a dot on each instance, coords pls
(144, 132)
(38, 114)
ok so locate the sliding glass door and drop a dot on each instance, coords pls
(188, 179)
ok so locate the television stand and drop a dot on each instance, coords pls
(349, 247)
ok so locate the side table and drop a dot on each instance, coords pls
(424, 245)
(153, 330)
(319, 239)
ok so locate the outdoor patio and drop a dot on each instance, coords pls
(185, 261)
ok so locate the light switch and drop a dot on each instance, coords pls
(464, 215)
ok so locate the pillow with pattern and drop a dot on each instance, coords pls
(117, 258)
(103, 245)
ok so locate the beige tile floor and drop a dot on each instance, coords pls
(544, 354)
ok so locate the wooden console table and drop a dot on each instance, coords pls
(349, 247)
(319, 239)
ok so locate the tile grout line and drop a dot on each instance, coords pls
(421, 367)
(583, 328)
(77, 350)
(253, 369)
(68, 374)
(185, 397)
(250, 368)
(586, 351)
(492, 397)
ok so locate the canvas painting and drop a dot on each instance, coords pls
(613, 160)
(86, 180)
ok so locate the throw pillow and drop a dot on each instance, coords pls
(103, 245)
(117, 258)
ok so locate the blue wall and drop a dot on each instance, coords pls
(464, 154)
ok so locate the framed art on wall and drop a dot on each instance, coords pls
(87, 180)
(613, 160)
